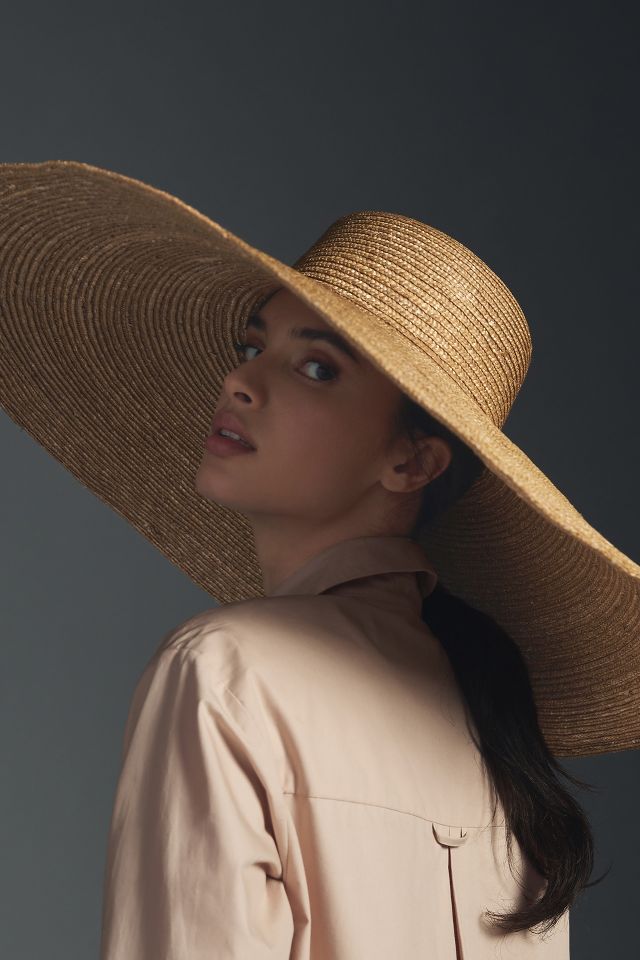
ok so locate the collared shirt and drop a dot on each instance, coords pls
(299, 782)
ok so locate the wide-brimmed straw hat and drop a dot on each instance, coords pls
(119, 309)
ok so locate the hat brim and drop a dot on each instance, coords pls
(109, 286)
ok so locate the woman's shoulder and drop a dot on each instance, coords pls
(240, 634)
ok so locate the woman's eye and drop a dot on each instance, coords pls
(242, 348)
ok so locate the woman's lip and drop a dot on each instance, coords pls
(225, 446)
(226, 421)
(216, 433)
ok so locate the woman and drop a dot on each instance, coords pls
(355, 760)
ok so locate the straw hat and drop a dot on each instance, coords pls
(119, 307)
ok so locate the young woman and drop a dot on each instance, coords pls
(355, 752)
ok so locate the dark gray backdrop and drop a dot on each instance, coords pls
(512, 127)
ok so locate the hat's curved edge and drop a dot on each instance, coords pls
(501, 456)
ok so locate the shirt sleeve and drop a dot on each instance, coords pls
(193, 870)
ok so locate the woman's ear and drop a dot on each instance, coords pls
(420, 463)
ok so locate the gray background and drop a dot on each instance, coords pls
(512, 127)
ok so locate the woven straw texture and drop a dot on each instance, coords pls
(119, 307)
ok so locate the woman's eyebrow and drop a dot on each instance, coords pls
(309, 333)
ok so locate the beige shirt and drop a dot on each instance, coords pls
(298, 781)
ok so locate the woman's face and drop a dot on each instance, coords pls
(327, 464)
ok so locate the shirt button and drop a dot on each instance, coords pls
(449, 836)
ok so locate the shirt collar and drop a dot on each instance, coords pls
(349, 560)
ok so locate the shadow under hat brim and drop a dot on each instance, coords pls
(120, 305)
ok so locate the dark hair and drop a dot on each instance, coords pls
(551, 828)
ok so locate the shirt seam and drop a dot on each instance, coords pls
(382, 806)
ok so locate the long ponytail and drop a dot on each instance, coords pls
(549, 825)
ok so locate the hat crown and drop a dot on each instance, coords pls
(435, 292)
